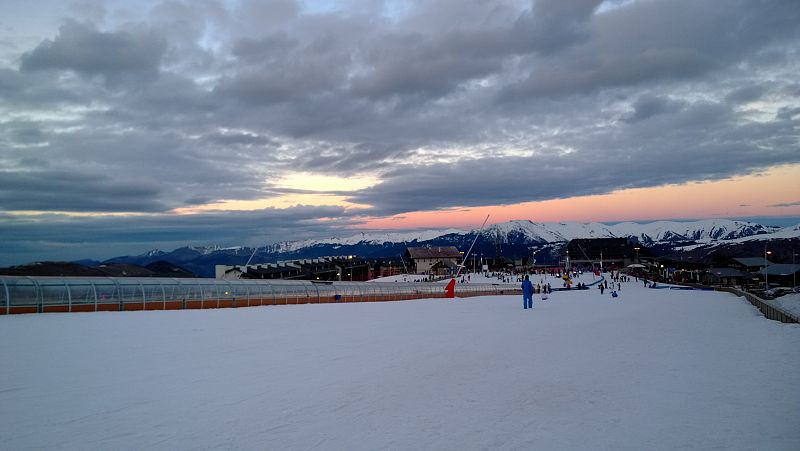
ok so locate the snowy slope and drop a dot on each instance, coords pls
(784, 233)
(654, 370)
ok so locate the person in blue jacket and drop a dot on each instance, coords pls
(527, 293)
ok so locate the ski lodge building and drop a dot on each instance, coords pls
(439, 260)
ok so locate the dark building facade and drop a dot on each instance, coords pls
(614, 253)
(343, 268)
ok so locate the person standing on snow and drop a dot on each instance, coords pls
(527, 293)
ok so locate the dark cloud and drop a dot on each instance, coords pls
(786, 204)
(60, 237)
(552, 25)
(25, 133)
(658, 41)
(647, 106)
(746, 94)
(787, 113)
(72, 191)
(85, 50)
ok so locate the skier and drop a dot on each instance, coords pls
(527, 293)
(601, 288)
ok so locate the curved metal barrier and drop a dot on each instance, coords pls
(92, 294)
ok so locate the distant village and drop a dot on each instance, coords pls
(590, 254)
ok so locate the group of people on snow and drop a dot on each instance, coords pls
(614, 286)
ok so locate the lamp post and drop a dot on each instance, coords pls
(637, 253)
(766, 273)
(794, 272)
(601, 263)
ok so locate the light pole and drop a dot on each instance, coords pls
(794, 272)
(766, 273)
(637, 253)
(601, 263)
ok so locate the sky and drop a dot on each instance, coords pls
(132, 125)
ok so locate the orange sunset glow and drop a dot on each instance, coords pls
(752, 195)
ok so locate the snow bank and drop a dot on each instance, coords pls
(789, 303)
(654, 369)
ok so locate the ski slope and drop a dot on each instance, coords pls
(654, 369)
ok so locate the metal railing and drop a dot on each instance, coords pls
(91, 294)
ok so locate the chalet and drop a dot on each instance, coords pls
(433, 260)
(728, 277)
(748, 264)
(781, 274)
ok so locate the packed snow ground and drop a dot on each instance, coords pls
(653, 369)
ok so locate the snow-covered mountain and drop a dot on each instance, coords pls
(705, 231)
(368, 238)
(655, 233)
(513, 239)
(549, 232)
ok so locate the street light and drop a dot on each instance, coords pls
(766, 273)
(637, 253)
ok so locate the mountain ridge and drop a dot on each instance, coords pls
(514, 238)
